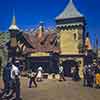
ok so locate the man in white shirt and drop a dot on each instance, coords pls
(14, 72)
(15, 75)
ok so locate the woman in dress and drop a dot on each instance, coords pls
(39, 74)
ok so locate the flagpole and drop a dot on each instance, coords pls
(96, 47)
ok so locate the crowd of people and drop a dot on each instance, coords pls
(12, 71)
(91, 75)
(35, 77)
(11, 81)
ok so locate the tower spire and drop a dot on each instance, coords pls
(13, 25)
(70, 11)
(41, 29)
(14, 18)
(87, 42)
(71, 0)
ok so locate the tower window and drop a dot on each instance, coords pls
(75, 36)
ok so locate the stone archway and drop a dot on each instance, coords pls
(68, 65)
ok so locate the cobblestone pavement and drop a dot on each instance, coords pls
(55, 90)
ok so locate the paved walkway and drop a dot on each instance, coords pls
(55, 90)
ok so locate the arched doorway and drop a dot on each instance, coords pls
(68, 65)
(33, 63)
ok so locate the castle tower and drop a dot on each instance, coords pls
(71, 26)
(13, 29)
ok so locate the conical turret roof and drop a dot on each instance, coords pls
(13, 25)
(87, 42)
(70, 11)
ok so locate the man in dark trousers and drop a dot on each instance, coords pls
(61, 73)
(76, 76)
(17, 79)
(32, 78)
(15, 76)
(90, 77)
(85, 75)
(6, 79)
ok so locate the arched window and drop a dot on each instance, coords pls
(75, 36)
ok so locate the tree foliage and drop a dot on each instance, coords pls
(4, 38)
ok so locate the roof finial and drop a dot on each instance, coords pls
(13, 24)
(14, 18)
(71, 0)
(41, 29)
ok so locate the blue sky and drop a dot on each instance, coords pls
(30, 12)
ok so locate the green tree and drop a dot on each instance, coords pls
(4, 37)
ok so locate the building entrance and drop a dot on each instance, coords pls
(34, 62)
(68, 65)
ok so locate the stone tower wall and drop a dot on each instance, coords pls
(70, 39)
